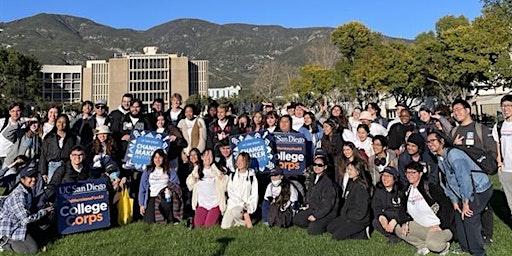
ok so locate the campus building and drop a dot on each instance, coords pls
(62, 83)
(216, 93)
(147, 76)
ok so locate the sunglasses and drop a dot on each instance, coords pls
(318, 165)
(100, 107)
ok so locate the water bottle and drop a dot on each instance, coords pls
(168, 195)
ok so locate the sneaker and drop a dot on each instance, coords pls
(422, 251)
(446, 250)
(487, 241)
(368, 232)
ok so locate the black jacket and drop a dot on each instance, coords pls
(356, 207)
(52, 152)
(66, 174)
(388, 204)
(433, 194)
(322, 197)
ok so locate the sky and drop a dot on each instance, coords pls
(395, 18)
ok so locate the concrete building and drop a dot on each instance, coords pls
(148, 76)
(227, 92)
(62, 83)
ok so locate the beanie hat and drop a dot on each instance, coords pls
(417, 140)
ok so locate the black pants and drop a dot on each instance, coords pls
(488, 222)
(316, 227)
(377, 226)
(342, 228)
(469, 230)
(164, 207)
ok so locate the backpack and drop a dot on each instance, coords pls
(482, 157)
(498, 129)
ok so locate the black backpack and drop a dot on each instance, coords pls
(482, 157)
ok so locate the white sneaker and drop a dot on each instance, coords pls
(446, 250)
(422, 251)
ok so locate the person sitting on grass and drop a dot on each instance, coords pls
(429, 216)
(321, 202)
(15, 216)
(387, 202)
(354, 219)
(208, 185)
(242, 194)
(158, 191)
(281, 198)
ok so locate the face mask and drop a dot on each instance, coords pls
(276, 183)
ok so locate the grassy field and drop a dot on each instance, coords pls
(142, 239)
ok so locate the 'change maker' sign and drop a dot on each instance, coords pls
(141, 147)
(82, 206)
(258, 145)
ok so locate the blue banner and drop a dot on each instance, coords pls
(142, 145)
(259, 146)
(82, 206)
(291, 152)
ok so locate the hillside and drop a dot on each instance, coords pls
(234, 50)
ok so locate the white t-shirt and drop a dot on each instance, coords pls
(47, 128)
(207, 194)
(174, 115)
(419, 209)
(297, 122)
(100, 120)
(157, 181)
(506, 144)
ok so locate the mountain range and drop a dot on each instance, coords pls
(235, 51)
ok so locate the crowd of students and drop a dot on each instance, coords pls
(413, 178)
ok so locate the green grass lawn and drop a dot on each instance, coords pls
(142, 239)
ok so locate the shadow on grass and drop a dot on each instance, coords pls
(224, 242)
(500, 207)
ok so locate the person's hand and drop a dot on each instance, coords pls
(405, 228)
(172, 137)
(311, 218)
(458, 140)
(122, 182)
(435, 228)
(49, 208)
(45, 178)
(142, 210)
(383, 221)
(390, 226)
(456, 207)
(184, 157)
(126, 137)
(466, 212)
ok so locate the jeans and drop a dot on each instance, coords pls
(52, 167)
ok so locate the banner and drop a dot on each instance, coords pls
(291, 152)
(141, 147)
(259, 146)
(82, 206)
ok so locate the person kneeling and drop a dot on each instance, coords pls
(280, 200)
(15, 215)
(354, 219)
(321, 200)
(159, 191)
(429, 214)
(242, 194)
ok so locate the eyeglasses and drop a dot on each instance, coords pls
(431, 141)
(100, 107)
(318, 165)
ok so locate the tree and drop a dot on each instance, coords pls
(19, 78)
(272, 79)
(314, 80)
(323, 52)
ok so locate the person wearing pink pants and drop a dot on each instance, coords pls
(208, 185)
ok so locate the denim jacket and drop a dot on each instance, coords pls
(463, 178)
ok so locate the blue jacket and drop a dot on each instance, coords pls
(462, 180)
(144, 185)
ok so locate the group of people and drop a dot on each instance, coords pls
(412, 178)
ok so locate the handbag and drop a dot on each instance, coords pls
(125, 208)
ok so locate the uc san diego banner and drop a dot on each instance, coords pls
(291, 152)
(259, 147)
(82, 206)
(142, 145)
